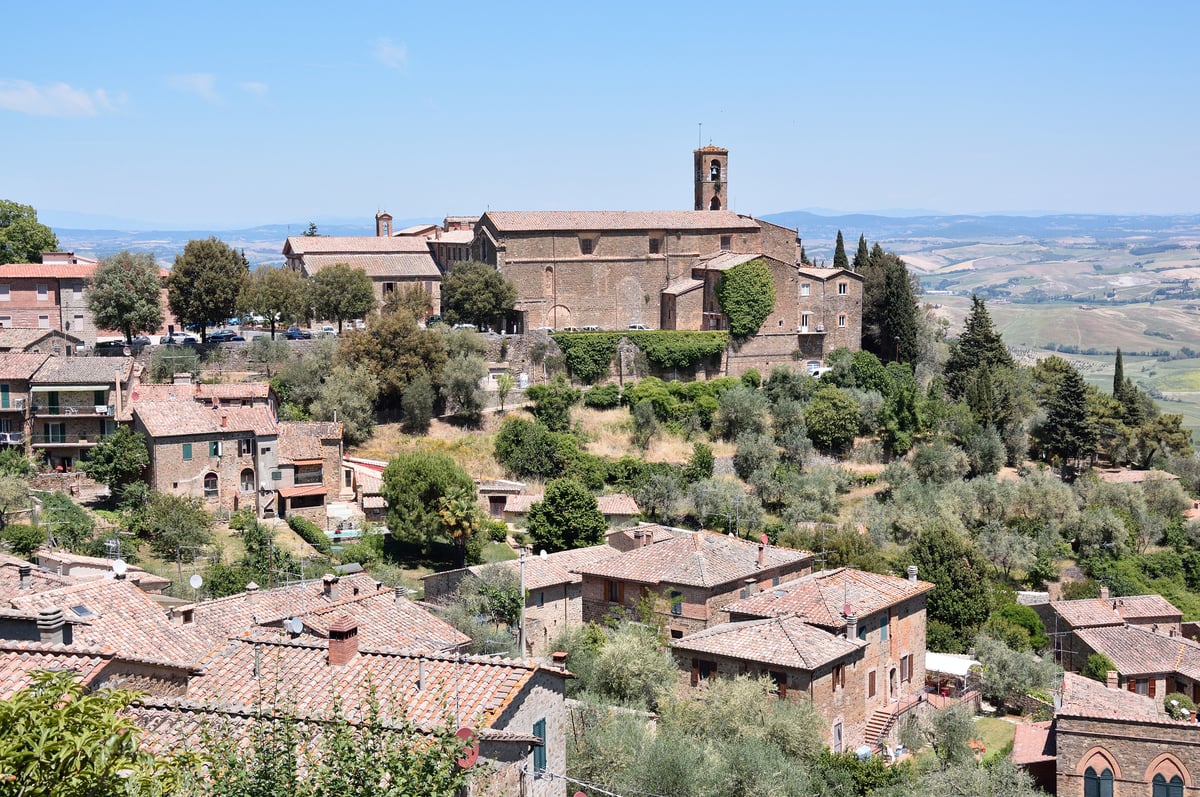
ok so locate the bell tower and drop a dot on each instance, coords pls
(712, 178)
(383, 224)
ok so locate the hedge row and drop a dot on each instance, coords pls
(309, 532)
(588, 355)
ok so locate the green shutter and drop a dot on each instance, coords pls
(4, 396)
(187, 451)
(214, 449)
(539, 752)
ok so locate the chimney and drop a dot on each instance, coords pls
(762, 554)
(421, 674)
(224, 420)
(1110, 679)
(343, 640)
(26, 572)
(1103, 592)
(251, 591)
(851, 626)
(120, 405)
(53, 628)
(559, 657)
(750, 588)
(912, 574)
(399, 594)
(329, 586)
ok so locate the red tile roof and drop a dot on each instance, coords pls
(821, 597)
(597, 220)
(617, 504)
(19, 659)
(380, 266)
(231, 390)
(556, 568)
(40, 580)
(186, 417)
(387, 621)
(302, 439)
(46, 270)
(1138, 651)
(114, 614)
(83, 370)
(1092, 612)
(354, 245)
(20, 365)
(700, 559)
(785, 641)
(657, 532)
(1033, 742)
(1083, 697)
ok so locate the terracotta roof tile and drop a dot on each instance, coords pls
(785, 641)
(387, 622)
(303, 439)
(82, 370)
(1083, 697)
(404, 264)
(820, 597)
(1138, 651)
(40, 580)
(1092, 612)
(46, 270)
(1033, 742)
(354, 245)
(17, 365)
(657, 532)
(597, 220)
(18, 660)
(617, 504)
(556, 568)
(701, 559)
(232, 390)
(188, 417)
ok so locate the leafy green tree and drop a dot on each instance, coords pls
(552, 403)
(567, 517)
(1097, 667)
(14, 495)
(69, 524)
(700, 465)
(660, 497)
(22, 237)
(632, 667)
(23, 539)
(486, 606)
(118, 459)
(863, 256)
(1006, 549)
(898, 322)
(348, 395)
(411, 298)
(124, 294)
(206, 283)
(278, 294)
(476, 293)
(1162, 436)
(960, 598)
(832, 418)
(413, 485)
(463, 523)
(60, 739)
(504, 385)
(341, 292)
(1008, 674)
(746, 294)
(740, 410)
(396, 350)
(416, 406)
(644, 424)
(1068, 434)
(461, 379)
(839, 253)
(177, 526)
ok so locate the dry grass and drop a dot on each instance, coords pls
(608, 436)
(470, 448)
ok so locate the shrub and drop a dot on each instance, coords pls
(309, 532)
(752, 379)
(23, 539)
(602, 397)
(552, 403)
(667, 348)
(1097, 667)
(1177, 703)
(746, 294)
(588, 354)
(497, 531)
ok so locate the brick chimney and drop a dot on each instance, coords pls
(53, 628)
(1103, 592)
(343, 640)
(26, 573)
(762, 554)
(329, 586)
(750, 588)
(851, 626)
(1110, 679)
(912, 574)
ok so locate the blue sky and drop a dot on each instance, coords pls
(235, 114)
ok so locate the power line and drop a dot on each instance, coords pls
(545, 773)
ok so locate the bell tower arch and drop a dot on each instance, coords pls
(712, 178)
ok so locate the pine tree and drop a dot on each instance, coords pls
(1069, 433)
(839, 253)
(979, 346)
(804, 261)
(863, 256)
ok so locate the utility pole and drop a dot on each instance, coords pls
(521, 620)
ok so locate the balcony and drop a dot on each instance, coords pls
(76, 410)
(819, 329)
(12, 438)
(72, 439)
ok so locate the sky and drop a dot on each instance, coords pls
(234, 114)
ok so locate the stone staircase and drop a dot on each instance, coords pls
(878, 727)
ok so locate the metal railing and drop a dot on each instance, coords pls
(67, 438)
(101, 410)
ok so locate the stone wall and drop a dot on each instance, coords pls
(543, 698)
(1134, 751)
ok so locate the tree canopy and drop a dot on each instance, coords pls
(476, 293)
(414, 486)
(124, 294)
(22, 237)
(206, 283)
(118, 459)
(341, 292)
(567, 517)
(278, 294)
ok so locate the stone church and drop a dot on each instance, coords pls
(616, 270)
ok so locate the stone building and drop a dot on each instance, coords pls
(74, 405)
(16, 372)
(689, 579)
(1085, 626)
(310, 468)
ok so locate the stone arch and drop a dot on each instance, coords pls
(714, 170)
(715, 204)
(548, 281)
(1168, 766)
(558, 316)
(1098, 758)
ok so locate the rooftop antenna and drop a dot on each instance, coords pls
(700, 136)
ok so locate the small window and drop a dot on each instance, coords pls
(4, 396)
(43, 292)
(276, 475)
(726, 242)
(842, 288)
(702, 670)
(862, 632)
(805, 288)
(77, 289)
(805, 320)
(389, 287)
(539, 749)
(906, 668)
(676, 602)
(883, 628)
(210, 485)
(5, 294)
(247, 480)
(837, 737)
(541, 599)
(214, 448)
(585, 246)
(842, 320)
(780, 681)
(245, 447)
(43, 322)
(655, 245)
(616, 592)
(187, 451)
(5, 321)
(676, 633)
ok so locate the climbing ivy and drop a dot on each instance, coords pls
(588, 354)
(747, 296)
(670, 348)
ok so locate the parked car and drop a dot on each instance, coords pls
(466, 326)
(327, 331)
(590, 328)
(572, 329)
(224, 336)
(179, 338)
(639, 327)
(296, 333)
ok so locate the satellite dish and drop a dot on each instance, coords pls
(197, 581)
(120, 568)
(543, 554)
(471, 753)
(295, 625)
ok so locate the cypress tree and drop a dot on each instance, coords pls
(862, 257)
(1069, 433)
(839, 253)
(898, 313)
(979, 346)
(1118, 376)
(804, 261)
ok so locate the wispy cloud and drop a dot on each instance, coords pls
(52, 99)
(390, 54)
(202, 84)
(255, 88)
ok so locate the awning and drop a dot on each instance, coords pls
(374, 502)
(949, 663)
(308, 461)
(67, 388)
(308, 489)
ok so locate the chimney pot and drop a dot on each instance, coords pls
(53, 628)
(251, 591)
(559, 657)
(399, 594)
(421, 675)
(851, 626)
(751, 586)
(912, 573)
(343, 640)
(329, 585)
(1110, 679)
(1103, 592)
(26, 572)
(762, 554)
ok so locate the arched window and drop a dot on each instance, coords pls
(247, 480)
(714, 171)
(715, 204)
(1099, 784)
(1167, 788)
(210, 485)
